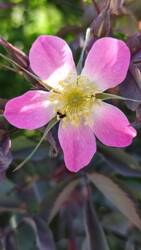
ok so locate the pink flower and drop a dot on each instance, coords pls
(82, 115)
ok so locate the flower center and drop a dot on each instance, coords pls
(75, 100)
(74, 97)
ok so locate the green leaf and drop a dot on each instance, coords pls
(117, 196)
(9, 200)
(63, 196)
(120, 156)
(44, 238)
(54, 200)
(130, 245)
(95, 235)
(121, 161)
(25, 237)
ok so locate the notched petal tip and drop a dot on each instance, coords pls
(78, 145)
(132, 131)
(51, 59)
(107, 62)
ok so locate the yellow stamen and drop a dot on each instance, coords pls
(75, 100)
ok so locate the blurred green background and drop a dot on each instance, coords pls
(22, 21)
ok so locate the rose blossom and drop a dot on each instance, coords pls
(75, 97)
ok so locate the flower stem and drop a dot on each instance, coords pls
(51, 124)
(107, 96)
(80, 63)
(25, 70)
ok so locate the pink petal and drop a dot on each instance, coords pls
(78, 144)
(29, 111)
(51, 59)
(111, 126)
(107, 63)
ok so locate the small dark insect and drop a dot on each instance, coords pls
(60, 115)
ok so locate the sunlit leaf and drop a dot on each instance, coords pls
(117, 196)
(126, 23)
